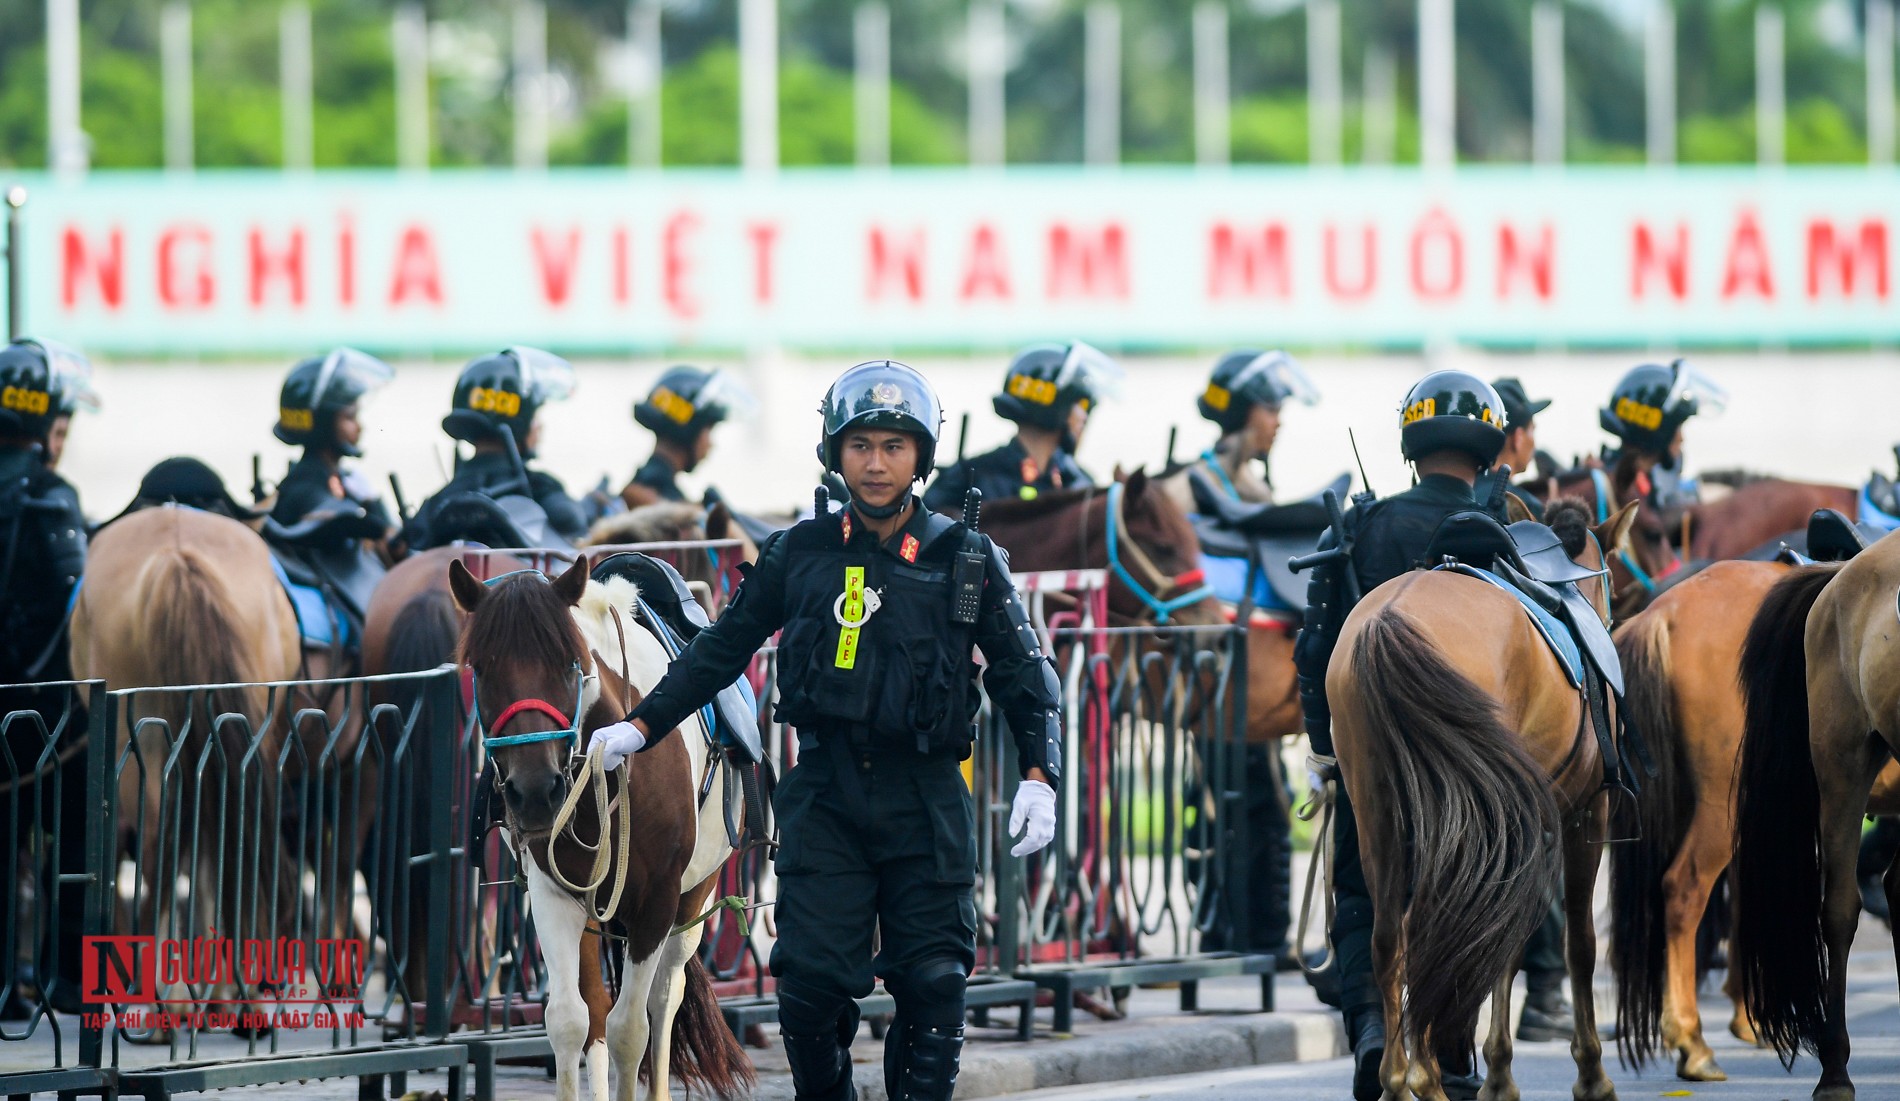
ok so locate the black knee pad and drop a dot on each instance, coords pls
(803, 1011)
(931, 994)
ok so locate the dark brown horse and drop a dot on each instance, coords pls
(1649, 558)
(1757, 512)
(1465, 750)
(640, 840)
(1821, 677)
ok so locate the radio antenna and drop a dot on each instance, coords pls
(1363, 480)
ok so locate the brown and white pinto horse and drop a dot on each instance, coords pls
(543, 678)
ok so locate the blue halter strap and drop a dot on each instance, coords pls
(1602, 483)
(1162, 609)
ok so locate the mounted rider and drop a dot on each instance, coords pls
(1452, 428)
(1049, 391)
(319, 410)
(1646, 413)
(495, 405)
(1520, 446)
(42, 530)
(1244, 396)
(878, 608)
(681, 411)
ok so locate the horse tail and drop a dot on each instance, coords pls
(1778, 949)
(705, 1052)
(1659, 821)
(192, 635)
(1476, 811)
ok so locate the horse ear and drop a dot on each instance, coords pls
(1615, 532)
(1136, 488)
(1120, 474)
(718, 521)
(467, 591)
(570, 585)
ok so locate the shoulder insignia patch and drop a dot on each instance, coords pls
(909, 548)
(846, 527)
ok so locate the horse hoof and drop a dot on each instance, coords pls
(1834, 1093)
(1603, 1091)
(1702, 1068)
(1742, 1030)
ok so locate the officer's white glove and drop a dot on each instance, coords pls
(358, 486)
(617, 743)
(1035, 807)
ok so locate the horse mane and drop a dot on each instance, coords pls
(1569, 517)
(661, 522)
(521, 619)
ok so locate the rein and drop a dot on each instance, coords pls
(1194, 581)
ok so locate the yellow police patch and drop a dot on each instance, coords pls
(1419, 410)
(484, 400)
(854, 611)
(1637, 414)
(1040, 391)
(1217, 397)
(22, 400)
(677, 409)
(296, 420)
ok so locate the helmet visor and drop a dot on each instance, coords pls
(68, 371)
(1692, 386)
(1286, 378)
(1093, 370)
(724, 397)
(545, 375)
(351, 370)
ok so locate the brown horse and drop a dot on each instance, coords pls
(1681, 658)
(641, 840)
(1465, 749)
(176, 596)
(1756, 512)
(1638, 571)
(1822, 718)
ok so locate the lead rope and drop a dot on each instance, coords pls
(1320, 803)
(593, 778)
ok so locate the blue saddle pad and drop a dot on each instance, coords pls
(1874, 515)
(1556, 635)
(321, 623)
(1228, 578)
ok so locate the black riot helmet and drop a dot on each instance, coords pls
(688, 400)
(882, 394)
(1452, 410)
(1045, 381)
(40, 381)
(1652, 401)
(1246, 378)
(506, 390)
(318, 389)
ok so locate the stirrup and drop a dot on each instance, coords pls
(1614, 783)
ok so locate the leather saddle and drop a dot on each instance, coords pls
(325, 551)
(678, 617)
(1264, 535)
(511, 520)
(1531, 557)
(1829, 537)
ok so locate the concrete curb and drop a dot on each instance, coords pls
(1183, 1045)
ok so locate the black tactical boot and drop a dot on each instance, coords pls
(928, 1064)
(1365, 1031)
(821, 1059)
(1546, 1017)
(1456, 1075)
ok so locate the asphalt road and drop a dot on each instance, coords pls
(1545, 1070)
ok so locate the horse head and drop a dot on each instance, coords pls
(1157, 558)
(1644, 555)
(529, 665)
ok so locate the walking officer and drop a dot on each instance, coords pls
(681, 411)
(1050, 391)
(878, 607)
(1452, 428)
(319, 410)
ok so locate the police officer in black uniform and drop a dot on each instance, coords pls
(1520, 447)
(496, 399)
(1452, 427)
(681, 411)
(1646, 413)
(878, 607)
(42, 555)
(1050, 391)
(318, 410)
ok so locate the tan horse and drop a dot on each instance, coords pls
(1819, 673)
(1464, 749)
(176, 596)
(531, 643)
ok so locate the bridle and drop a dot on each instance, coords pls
(1604, 495)
(1194, 582)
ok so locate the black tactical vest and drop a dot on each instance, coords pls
(909, 680)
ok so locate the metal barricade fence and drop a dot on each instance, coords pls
(300, 816)
(46, 788)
